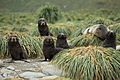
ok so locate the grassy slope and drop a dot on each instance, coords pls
(32, 5)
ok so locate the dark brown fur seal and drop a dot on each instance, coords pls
(15, 49)
(62, 41)
(43, 27)
(110, 40)
(49, 49)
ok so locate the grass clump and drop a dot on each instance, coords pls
(66, 28)
(31, 45)
(49, 12)
(116, 27)
(3, 47)
(85, 40)
(89, 63)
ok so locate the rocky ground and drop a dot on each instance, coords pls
(35, 70)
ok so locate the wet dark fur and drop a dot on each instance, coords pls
(43, 27)
(49, 50)
(62, 41)
(15, 49)
(110, 40)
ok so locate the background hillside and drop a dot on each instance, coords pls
(66, 5)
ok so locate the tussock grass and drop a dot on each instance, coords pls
(85, 40)
(50, 12)
(118, 39)
(116, 27)
(89, 63)
(66, 28)
(3, 47)
(31, 45)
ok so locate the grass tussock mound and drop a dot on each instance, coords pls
(31, 45)
(85, 40)
(89, 63)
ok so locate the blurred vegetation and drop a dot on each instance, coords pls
(50, 12)
(66, 5)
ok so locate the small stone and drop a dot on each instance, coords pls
(33, 79)
(1, 61)
(1, 76)
(45, 63)
(1, 66)
(51, 70)
(49, 78)
(4, 70)
(32, 75)
(4, 75)
(7, 73)
(10, 68)
(19, 61)
(118, 47)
